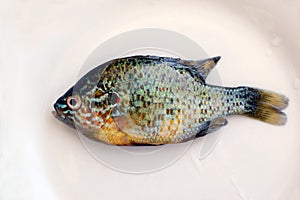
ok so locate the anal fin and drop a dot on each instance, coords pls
(212, 126)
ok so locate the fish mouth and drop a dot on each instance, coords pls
(54, 113)
(58, 116)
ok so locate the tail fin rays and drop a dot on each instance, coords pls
(275, 100)
(266, 106)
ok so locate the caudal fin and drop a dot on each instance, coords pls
(265, 106)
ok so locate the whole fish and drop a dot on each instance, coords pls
(150, 100)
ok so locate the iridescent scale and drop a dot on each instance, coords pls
(159, 100)
(161, 103)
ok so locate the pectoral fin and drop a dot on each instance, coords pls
(212, 126)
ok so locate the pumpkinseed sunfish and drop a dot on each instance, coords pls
(151, 100)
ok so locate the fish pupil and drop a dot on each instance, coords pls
(73, 102)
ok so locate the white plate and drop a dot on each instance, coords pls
(159, 42)
(45, 45)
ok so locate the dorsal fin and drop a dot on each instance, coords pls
(199, 69)
(203, 66)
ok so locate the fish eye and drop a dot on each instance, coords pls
(74, 102)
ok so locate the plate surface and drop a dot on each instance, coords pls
(45, 45)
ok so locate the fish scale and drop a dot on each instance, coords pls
(162, 89)
(159, 100)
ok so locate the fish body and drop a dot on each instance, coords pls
(150, 100)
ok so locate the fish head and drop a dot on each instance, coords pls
(87, 111)
(66, 106)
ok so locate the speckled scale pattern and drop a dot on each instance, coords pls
(160, 103)
(159, 100)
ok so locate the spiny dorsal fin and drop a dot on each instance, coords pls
(203, 66)
(199, 69)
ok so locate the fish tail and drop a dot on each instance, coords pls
(264, 105)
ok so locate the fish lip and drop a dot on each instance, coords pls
(57, 113)
(57, 116)
(54, 113)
